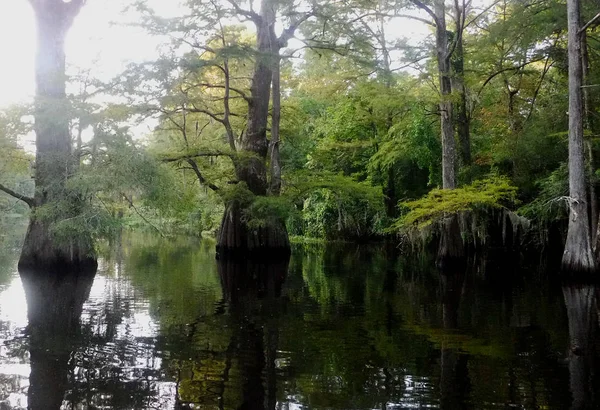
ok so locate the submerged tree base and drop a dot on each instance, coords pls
(238, 240)
(43, 252)
(451, 250)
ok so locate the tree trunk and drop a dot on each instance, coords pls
(578, 256)
(54, 159)
(589, 121)
(443, 59)
(275, 183)
(458, 84)
(451, 249)
(235, 236)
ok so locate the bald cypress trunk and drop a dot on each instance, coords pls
(578, 255)
(451, 248)
(447, 128)
(236, 237)
(54, 158)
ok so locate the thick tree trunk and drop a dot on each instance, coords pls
(443, 60)
(237, 239)
(451, 249)
(54, 159)
(235, 236)
(578, 255)
(589, 121)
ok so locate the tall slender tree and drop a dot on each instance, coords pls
(578, 255)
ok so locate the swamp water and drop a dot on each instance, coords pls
(163, 326)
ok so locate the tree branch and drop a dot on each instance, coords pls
(142, 216)
(196, 155)
(423, 6)
(589, 23)
(491, 77)
(255, 17)
(288, 33)
(200, 176)
(28, 200)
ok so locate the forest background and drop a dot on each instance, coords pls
(357, 138)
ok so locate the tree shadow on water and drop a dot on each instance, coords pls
(54, 306)
(252, 291)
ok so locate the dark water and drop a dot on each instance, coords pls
(162, 326)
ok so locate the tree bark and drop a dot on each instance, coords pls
(275, 183)
(55, 161)
(458, 84)
(447, 128)
(589, 121)
(577, 256)
(235, 237)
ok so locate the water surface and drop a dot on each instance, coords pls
(162, 325)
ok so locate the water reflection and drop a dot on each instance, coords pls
(581, 303)
(253, 291)
(54, 306)
(454, 376)
(165, 326)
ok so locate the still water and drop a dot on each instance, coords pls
(161, 325)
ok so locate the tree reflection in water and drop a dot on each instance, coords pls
(54, 306)
(167, 327)
(454, 383)
(253, 290)
(581, 304)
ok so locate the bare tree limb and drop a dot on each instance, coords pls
(196, 155)
(255, 17)
(517, 67)
(130, 202)
(201, 178)
(28, 200)
(589, 23)
(423, 6)
(288, 33)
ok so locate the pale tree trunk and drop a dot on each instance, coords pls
(589, 121)
(55, 161)
(235, 237)
(458, 84)
(275, 183)
(451, 247)
(578, 255)
(443, 60)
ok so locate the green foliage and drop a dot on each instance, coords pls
(493, 192)
(549, 204)
(413, 140)
(335, 206)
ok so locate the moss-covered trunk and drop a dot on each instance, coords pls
(235, 235)
(54, 159)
